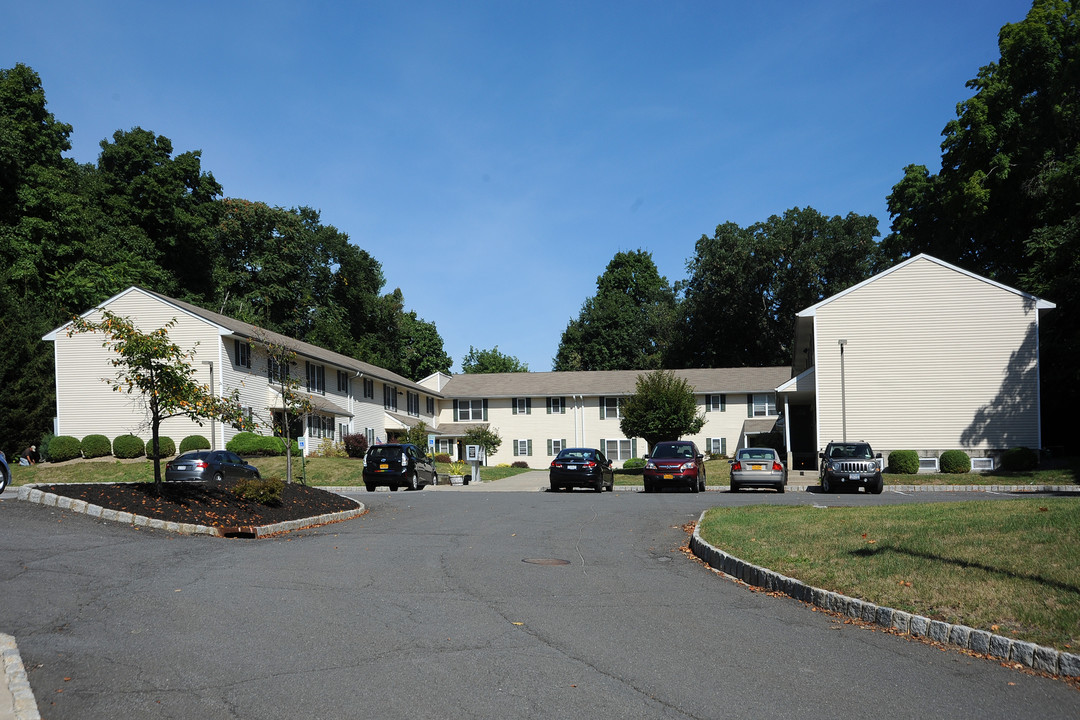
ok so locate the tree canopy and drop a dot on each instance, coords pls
(662, 408)
(627, 325)
(491, 361)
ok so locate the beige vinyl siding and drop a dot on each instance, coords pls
(929, 352)
(87, 405)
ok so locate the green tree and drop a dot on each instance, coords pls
(286, 413)
(491, 361)
(661, 408)
(1004, 202)
(162, 373)
(627, 325)
(417, 435)
(486, 437)
(747, 284)
(421, 350)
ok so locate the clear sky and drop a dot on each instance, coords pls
(494, 156)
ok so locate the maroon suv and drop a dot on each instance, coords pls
(676, 463)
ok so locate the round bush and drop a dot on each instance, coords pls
(63, 448)
(519, 464)
(95, 446)
(166, 448)
(443, 458)
(1020, 459)
(128, 446)
(954, 462)
(634, 463)
(904, 462)
(194, 442)
(356, 445)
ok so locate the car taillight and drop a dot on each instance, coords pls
(555, 464)
(736, 466)
(589, 464)
(202, 465)
(777, 467)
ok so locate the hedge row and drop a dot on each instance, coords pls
(248, 444)
(956, 462)
(64, 447)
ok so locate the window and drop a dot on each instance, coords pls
(342, 381)
(619, 449)
(610, 407)
(445, 445)
(342, 430)
(369, 433)
(715, 403)
(762, 404)
(412, 403)
(522, 447)
(556, 406)
(319, 426)
(243, 353)
(716, 446)
(466, 410)
(278, 372)
(554, 447)
(431, 406)
(521, 406)
(369, 388)
(389, 397)
(316, 378)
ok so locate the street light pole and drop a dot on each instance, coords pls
(843, 392)
(213, 394)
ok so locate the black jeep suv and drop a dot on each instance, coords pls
(850, 465)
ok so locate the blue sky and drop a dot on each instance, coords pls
(494, 156)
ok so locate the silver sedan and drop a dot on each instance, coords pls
(757, 467)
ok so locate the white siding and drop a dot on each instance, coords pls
(931, 355)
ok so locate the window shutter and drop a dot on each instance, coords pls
(528, 447)
(633, 447)
(513, 406)
(548, 409)
(708, 403)
(603, 446)
(562, 406)
(528, 407)
(723, 446)
(485, 408)
(562, 443)
(749, 406)
(515, 448)
(550, 451)
(455, 411)
(723, 402)
(708, 445)
(603, 406)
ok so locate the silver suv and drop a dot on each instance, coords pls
(850, 465)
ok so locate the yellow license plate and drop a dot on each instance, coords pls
(756, 467)
(383, 466)
(669, 477)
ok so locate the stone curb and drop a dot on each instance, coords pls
(1001, 648)
(813, 487)
(30, 493)
(16, 685)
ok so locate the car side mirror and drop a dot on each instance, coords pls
(878, 456)
(609, 462)
(700, 457)
(821, 455)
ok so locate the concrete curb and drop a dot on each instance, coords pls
(30, 493)
(998, 647)
(16, 698)
(798, 487)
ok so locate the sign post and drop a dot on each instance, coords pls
(474, 454)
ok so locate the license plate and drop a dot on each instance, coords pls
(756, 467)
(669, 477)
(181, 467)
(384, 466)
(853, 476)
(571, 467)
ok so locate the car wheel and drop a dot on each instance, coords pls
(878, 486)
(412, 482)
(435, 479)
(826, 486)
(598, 486)
(393, 488)
(694, 485)
(554, 486)
(701, 485)
(218, 477)
(780, 488)
(734, 486)
(3, 481)
(370, 488)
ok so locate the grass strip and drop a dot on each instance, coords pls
(1008, 566)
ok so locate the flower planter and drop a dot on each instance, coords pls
(457, 480)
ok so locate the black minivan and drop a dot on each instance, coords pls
(397, 466)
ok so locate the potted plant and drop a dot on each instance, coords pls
(457, 473)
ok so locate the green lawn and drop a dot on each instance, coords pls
(1009, 566)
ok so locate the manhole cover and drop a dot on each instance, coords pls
(546, 561)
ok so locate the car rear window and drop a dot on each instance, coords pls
(756, 455)
(580, 455)
(673, 451)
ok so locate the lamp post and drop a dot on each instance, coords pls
(213, 393)
(843, 393)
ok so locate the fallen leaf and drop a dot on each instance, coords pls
(517, 623)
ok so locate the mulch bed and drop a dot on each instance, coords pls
(212, 504)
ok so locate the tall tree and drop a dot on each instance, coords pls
(491, 361)
(747, 284)
(1004, 203)
(662, 408)
(627, 325)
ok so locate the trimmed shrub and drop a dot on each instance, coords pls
(329, 448)
(166, 448)
(519, 464)
(442, 458)
(954, 462)
(128, 446)
(194, 442)
(265, 491)
(95, 446)
(904, 462)
(1020, 459)
(43, 446)
(249, 444)
(356, 445)
(634, 464)
(63, 448)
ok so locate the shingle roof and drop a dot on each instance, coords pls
(610, 382)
